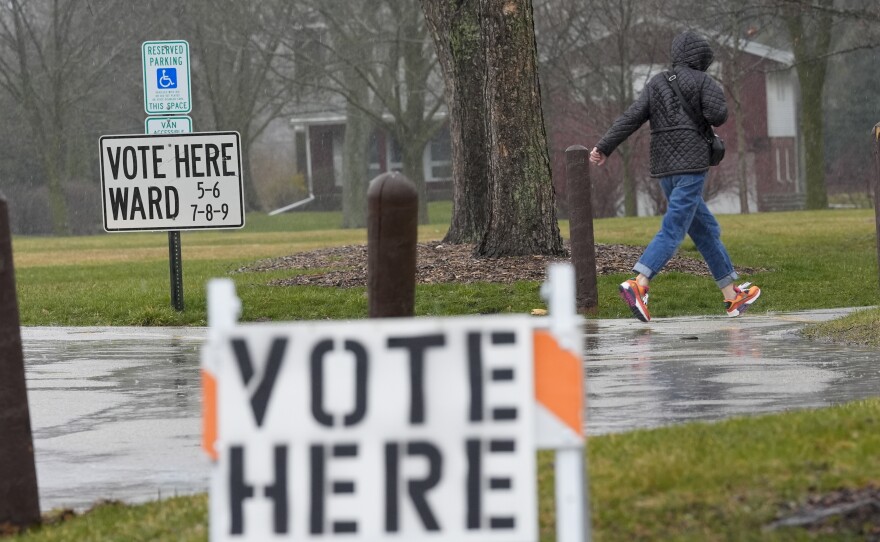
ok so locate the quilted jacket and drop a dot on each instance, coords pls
(677, 144)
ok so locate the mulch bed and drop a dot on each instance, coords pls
(851, 511)
(346, 267)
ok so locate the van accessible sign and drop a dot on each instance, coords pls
(168, 125)
(388, 429)
(174, 182)
(166, 77)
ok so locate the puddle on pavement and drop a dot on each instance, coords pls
(116, 412)
(642, 376)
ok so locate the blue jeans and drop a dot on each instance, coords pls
(687, 213)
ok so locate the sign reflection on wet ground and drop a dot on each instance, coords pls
(116, 411)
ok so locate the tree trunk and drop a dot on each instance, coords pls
(251, 197)
(814, 140)
(57, 198)
(742, 169)
(810, 35)
(355, 160)
(503, 193)
(522, 205)
(630, 202)
(458, 40)
(413, 168)
(734, 75)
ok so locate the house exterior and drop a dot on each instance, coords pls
(319, 151)
(770, 155)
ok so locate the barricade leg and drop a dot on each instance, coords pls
(573, 522)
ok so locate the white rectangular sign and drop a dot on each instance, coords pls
(172, 182)
(388, 429)
(166, 77)
(168, 125)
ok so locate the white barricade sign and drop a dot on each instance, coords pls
(420, 429)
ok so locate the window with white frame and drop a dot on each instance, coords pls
(438, 157)
(375, 165)
(338, 172)
(394, 154)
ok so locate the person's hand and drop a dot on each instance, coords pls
(597, 157)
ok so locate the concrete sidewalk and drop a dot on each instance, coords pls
(116, 411)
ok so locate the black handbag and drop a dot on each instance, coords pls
(716, 144)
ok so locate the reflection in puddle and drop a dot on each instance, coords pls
(638, 378)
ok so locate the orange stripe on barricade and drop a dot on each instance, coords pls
(559, 381)
(209, 414)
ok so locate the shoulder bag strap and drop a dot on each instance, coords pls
(699, 121)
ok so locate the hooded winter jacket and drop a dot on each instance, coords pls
(677, 144)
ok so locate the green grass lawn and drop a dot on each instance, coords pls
(721, 481)
(817, 259)
(695, 482)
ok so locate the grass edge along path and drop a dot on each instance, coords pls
(857, 329)
(696, 482)
(813, 259)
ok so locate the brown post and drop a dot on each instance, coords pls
(19, 500)
(876, 136)
(583, 245)
(392, 230)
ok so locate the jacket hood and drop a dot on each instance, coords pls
(692, 50)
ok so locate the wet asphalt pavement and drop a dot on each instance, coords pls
(116, 411)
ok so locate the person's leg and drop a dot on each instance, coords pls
(706, 234)
(684, 193)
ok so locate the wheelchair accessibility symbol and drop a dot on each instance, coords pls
(166, 78)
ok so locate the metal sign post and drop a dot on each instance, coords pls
(160, 126)
(167, 91)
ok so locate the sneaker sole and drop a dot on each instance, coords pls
(630, 298)
(744, 307)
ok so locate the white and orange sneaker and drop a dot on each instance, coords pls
(746, 294)
(637, 298)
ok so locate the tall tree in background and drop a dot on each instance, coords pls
(809, 31)
(235, 63)
(850, 111)
(491, 44)
(816, 42)
(410, 98)
(734, 71)
(353, 41)
(460, 47)
(54, 57)
(377, 55)
(597, 55)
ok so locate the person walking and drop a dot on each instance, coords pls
(680, 159)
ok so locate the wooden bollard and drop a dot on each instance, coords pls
(392, 230)
(583, 245)
(19, 499)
